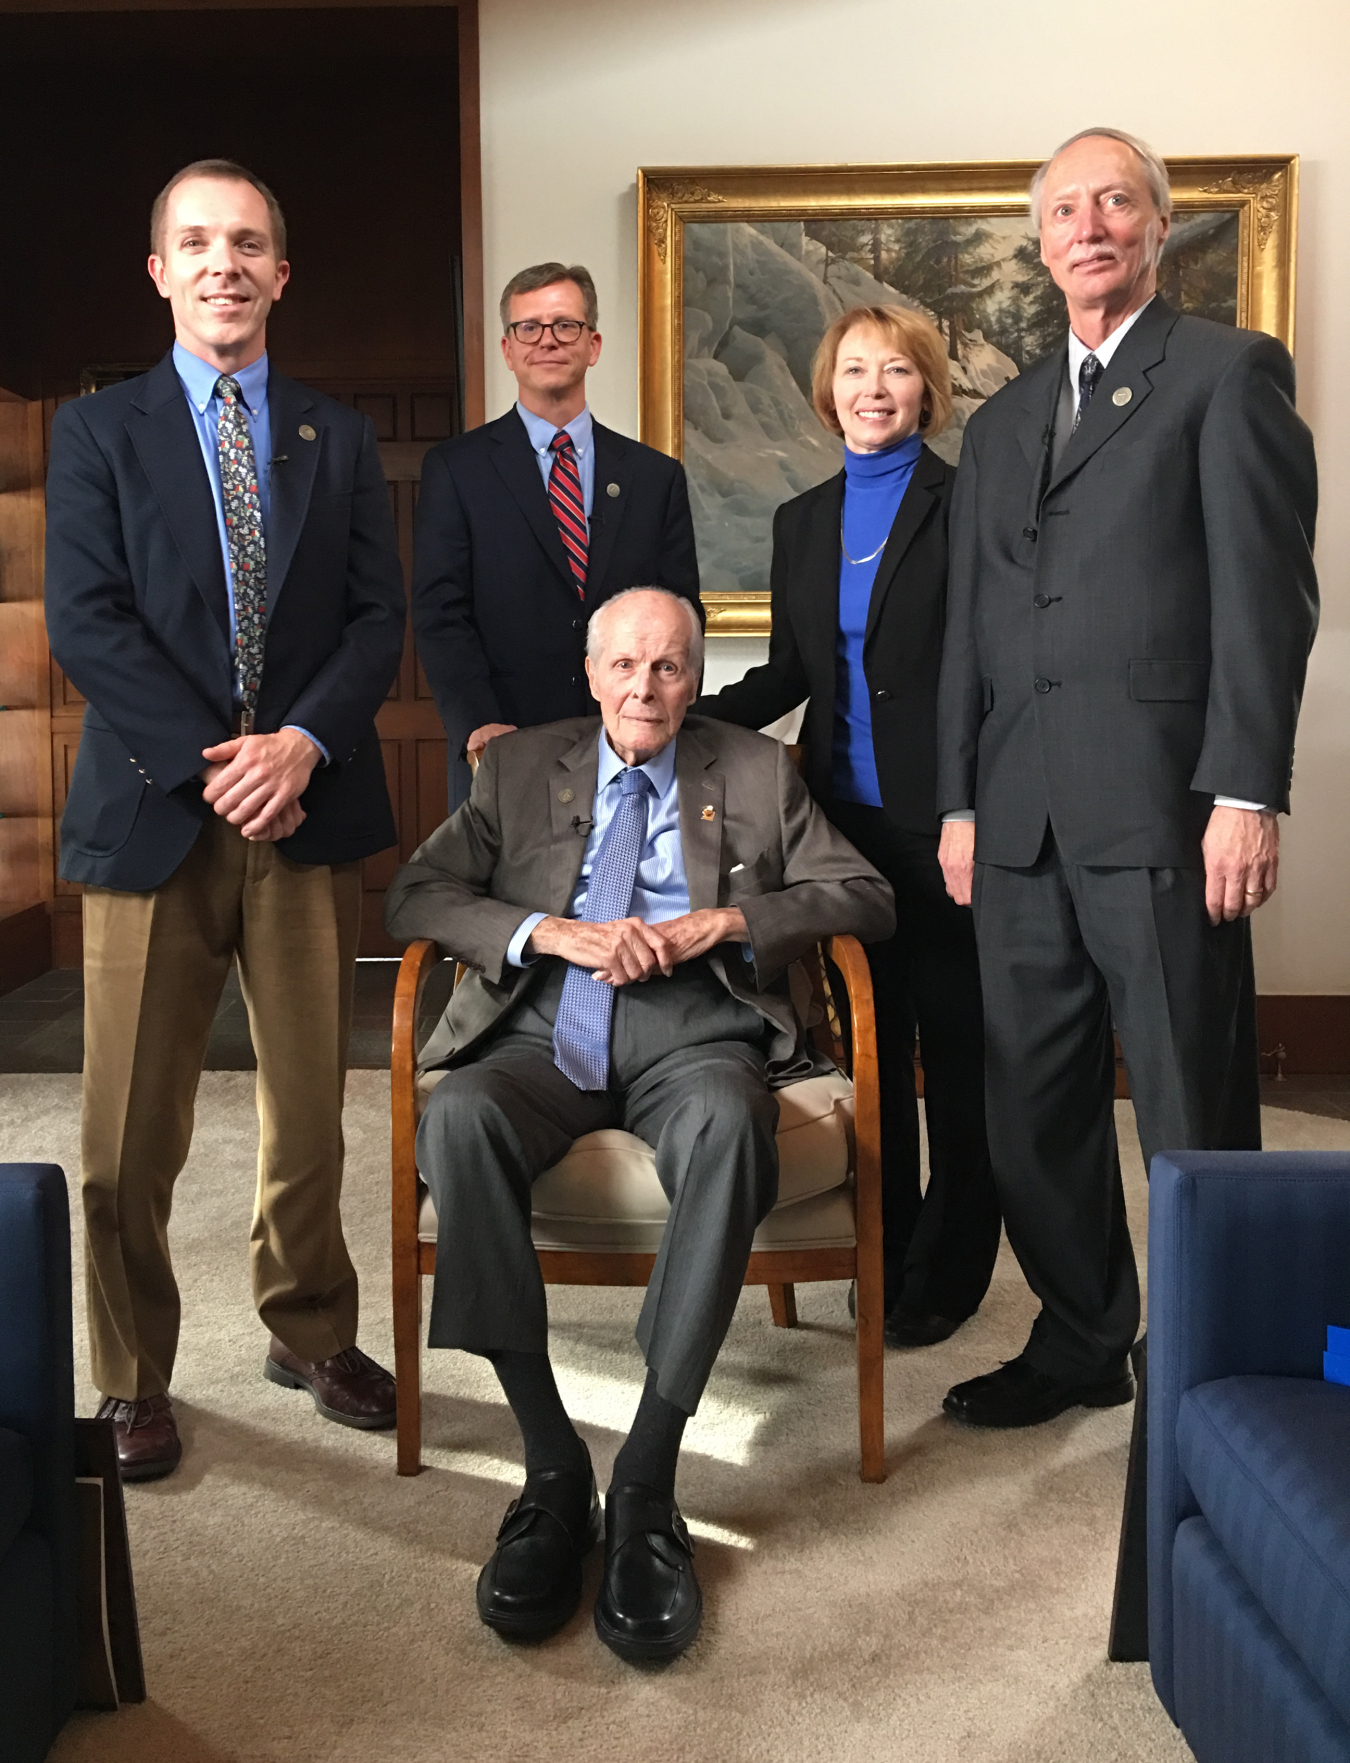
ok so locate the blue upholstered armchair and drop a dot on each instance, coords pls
(1249, 1453)
(37, 1466)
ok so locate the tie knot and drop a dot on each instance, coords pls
(1089, 373)
(634, 782)
(561, 442)
(227, 388)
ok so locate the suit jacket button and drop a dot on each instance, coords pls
(882, 694)
(1029, 532)
(578, 624)
(1041, 600)
(1042, 685)
(576, 679)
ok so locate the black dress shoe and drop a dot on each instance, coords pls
(650, 1606)
(532, 1584)
(1019, 1395)
(904, 1328)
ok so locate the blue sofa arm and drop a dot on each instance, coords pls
(1248, 1261)
(37, 1390)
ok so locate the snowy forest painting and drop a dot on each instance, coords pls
(758, 296)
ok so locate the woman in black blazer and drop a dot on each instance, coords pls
(859, 584)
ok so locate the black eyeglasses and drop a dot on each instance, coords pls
(565, 330)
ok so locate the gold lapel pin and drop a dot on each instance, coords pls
(1121, 395)
(566, 795)
(307, 433)
(710, 813)
(611, 489)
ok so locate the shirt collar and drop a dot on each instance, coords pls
(660, 769)
(1079, 352)
(199, 379)
(541, 431)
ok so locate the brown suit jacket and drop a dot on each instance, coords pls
(752, 837)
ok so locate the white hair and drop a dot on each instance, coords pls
(595, 633)
(1155, 172)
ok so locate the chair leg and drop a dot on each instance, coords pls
(871, 1386)
(1128, 1640)
(783, 1303)
(408, 1366)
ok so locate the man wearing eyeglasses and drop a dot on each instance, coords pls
(526, 525)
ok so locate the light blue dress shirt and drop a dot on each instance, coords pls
(662, 888)
(198, 379)
(541, 432)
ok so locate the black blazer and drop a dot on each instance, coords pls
(138, 617)
(1128, 630)
(500, 631)
(901, 654)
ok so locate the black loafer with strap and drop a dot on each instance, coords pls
(650, 1606)
(532, 1584)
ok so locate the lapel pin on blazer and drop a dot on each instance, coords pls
(307, 433)
(1121, 395)
(566, 795)
(710, 813)
(611, 489)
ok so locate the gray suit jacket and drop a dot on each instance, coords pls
(515, 847)
(1128, 630)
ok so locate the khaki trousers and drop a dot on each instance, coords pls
(155, 965)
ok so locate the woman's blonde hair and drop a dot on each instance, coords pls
(910, 334)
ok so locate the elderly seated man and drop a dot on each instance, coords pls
(629, 891)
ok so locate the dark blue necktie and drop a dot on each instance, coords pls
(586, 1007)
(1088, 375)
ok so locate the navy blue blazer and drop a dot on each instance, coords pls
(500, 631)
(138, 618)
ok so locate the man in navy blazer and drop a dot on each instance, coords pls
(223, 586)
(526, 525)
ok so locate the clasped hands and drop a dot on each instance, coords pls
(1241, 849)
(626, 949)
(256, 781)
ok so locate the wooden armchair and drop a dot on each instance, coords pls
(598, 1214)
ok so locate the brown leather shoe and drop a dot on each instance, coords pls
(148, 1445)
(349, 1388)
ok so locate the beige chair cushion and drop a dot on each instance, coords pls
(823, 1222)
(605, 1194)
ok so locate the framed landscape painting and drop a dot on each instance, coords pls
(741, 269)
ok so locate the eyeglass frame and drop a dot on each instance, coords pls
(513, 329)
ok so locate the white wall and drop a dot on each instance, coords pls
(578, 93)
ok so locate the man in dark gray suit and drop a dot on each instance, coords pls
(593, 854)
(1131, 606)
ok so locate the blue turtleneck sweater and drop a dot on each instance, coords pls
(874, 484)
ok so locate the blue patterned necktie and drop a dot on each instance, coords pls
(245, 542)
(586, 1007)
(1088, 375)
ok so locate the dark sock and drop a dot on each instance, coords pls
(551, 1441)
(649, 1453)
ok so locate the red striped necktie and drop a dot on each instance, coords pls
(569, 507)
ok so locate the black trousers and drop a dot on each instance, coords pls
(1065, 949)
(687, 1075)
(940, 1244)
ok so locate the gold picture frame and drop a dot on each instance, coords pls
(1262, 192)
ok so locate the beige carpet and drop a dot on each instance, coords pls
(300, 1602)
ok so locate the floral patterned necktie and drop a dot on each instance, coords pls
(569, 507)
(246, 544)
(1088, 375)
(586, 1006)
